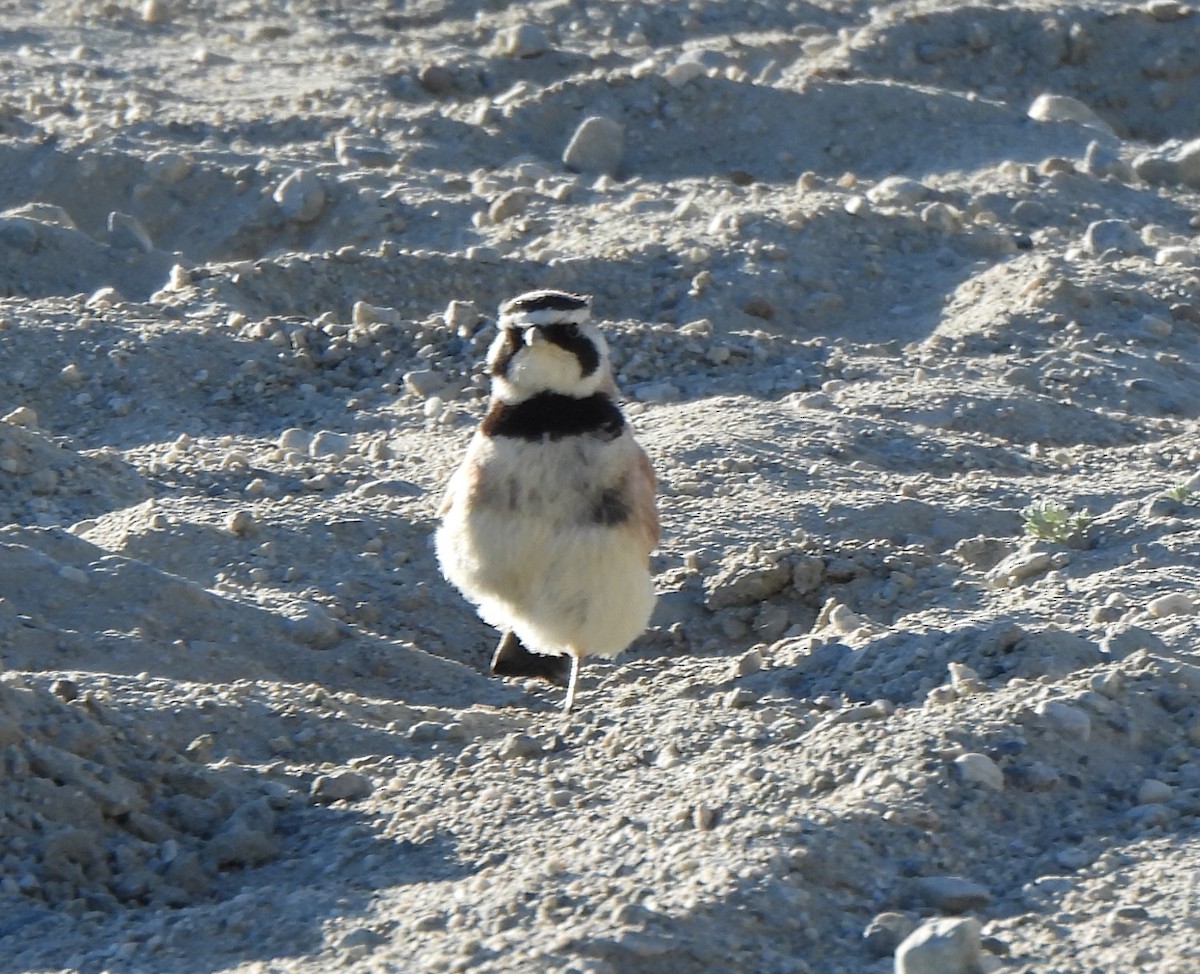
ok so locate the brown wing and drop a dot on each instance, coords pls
(644, 514)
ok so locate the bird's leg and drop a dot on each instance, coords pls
(570, 701)
(513, 659)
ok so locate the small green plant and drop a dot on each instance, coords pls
(1052, 521)
(1181, 493)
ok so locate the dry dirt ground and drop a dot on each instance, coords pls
(912, 348)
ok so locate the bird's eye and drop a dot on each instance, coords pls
(571, 329)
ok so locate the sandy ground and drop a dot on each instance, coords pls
(912, 349)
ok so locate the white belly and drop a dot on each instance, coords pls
(579, 589)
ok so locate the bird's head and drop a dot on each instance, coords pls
(547, 343)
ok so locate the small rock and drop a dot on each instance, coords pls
(951, 894)
(66, 690)
(898, 191)
(1104, 235)
(167, 167)
(1171, 604)
(704, 818)
(295, 438)
(739, 585)
(22, 416)
(941, 947)
(424, 382)
(520, 746)
(1064, 108)
(596, 147)
(980, 769)
(1123, 640)
(314, 627)
(340, 786)
(522, 41)
(508, 205)
(329, 444)
(240, 523)
(1154, 792)
(301, 196)
(1067, 720)
(436, 79)
(1165, 11)
(738, 697)
(462, 317)
(886, 932)
(759, 307)
(1172, 163)
(1102, 159)
(1178, 256)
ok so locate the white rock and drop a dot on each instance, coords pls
(898, 191)
(168, 167)
(1064, 108)
(295, 438)
(22, 416)
(1177, 256)
(1067, 720)
(683, 71)
(329, 444)
(1172, 162)
(941, 947)
(1171, 604)
(980, 769)
(301, 196)
(523, 41)
(1103, 235)
(596, 147)
(1154, 792)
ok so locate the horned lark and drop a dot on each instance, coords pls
(548, 524)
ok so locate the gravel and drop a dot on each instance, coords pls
(872, 299)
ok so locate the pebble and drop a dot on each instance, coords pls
(739, 585)
(980, 769)
(168, 167)
(508, 205)
(315, 627)
(898, 191)
(596, 147)
(517, 746)
(22, 416)
(436, 79)
(886, 932)
(1173, 162)
(522, 41)
(294, 438)
(327, 443)
(951, 894)
(1171, 604)
(301, 196)
(1165, 11)
(1177, 256)
(1022, 566)
(240, 523)
(1154, 792)
(1105, 235)
(340, 786)
(1067, 720)
(941, 947)
(1064, 108)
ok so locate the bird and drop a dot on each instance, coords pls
(548, 524)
